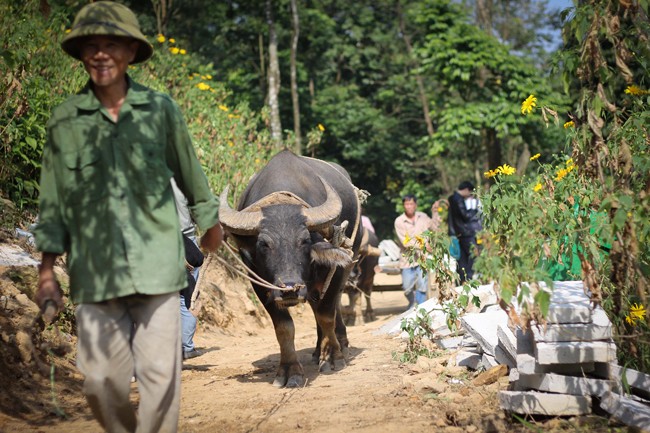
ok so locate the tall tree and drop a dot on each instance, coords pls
(273, 78)
(295, 99)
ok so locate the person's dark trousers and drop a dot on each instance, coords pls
(466, 260)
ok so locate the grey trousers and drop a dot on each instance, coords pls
(138, 334)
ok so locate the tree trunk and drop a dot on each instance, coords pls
(260, 42)
(294, 79)
(493, 147)
(161, 9)
(274, 79)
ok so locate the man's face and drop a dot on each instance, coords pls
(106, 58)
(409, 207)
(465, 192)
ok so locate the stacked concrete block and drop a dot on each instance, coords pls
(554, 360)
(568, 365)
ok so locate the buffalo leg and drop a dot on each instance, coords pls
(333, 334)
(290, 372)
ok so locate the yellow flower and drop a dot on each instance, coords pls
(174, 50)
(223, 108)
(569, 162)
(569, 124)
(631, 320)
(440, 210)
(537, 187)
(636, 91)
(233, 116)
(203, 86)
(406, 239)
(172, 40)
(183, 52)
(420, 241)
(528, 105)
(68, 30)
(231, 144)
(321, 127)
(479, 241)
(535, 156)
(506, 169)
(560, 174)
(490, 173)
(160, 38)
(637, 311)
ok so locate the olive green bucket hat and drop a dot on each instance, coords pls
(106, 18)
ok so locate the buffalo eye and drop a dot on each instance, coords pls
(263, 243)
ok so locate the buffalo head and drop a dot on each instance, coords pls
(284, 241)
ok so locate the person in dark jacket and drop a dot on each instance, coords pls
(463, 223)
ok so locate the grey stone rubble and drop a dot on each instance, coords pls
(564, 367)
(13, 255)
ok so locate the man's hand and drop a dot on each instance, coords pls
(212, 238)
(48, 296)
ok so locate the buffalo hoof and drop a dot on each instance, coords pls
(328, 366)
(279, 382)
(295, 382)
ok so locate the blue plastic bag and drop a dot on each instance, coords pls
(454, 248)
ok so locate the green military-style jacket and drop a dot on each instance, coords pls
(106, 198)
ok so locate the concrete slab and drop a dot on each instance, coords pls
(629, 412)
(471, 360)
(562, 384)
(483, 327)
(600, 328)
(569, 313)
(503, 357)
(537, 403)
(638, 383)
(488, 361)
(507, 340)
(575, 352)
(527, 364)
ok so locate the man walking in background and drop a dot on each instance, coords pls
(408, 225)
(464, 223)
(106, 201)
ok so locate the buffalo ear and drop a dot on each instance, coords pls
(323, 253)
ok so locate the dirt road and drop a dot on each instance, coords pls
(228, 389)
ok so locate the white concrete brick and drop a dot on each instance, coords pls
(527, 364)
(561, 384)
(631, 413)
(503, 357)
(599, 329)
(575, 352)
(507, 340)
(639, 383)
(536, 403)
(483, 327)
(471, 360)
(569, 313)
(488, 361)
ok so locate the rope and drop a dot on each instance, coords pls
(255, 278)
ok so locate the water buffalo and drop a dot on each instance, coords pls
(286, 226)
(361, 280)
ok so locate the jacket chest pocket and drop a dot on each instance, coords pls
(83, 178)
(149, 170)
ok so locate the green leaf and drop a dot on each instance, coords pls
(543, 301)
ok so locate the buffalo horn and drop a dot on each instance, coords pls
(321, 217)
(238, 222)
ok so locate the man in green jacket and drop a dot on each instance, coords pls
(106, 201)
